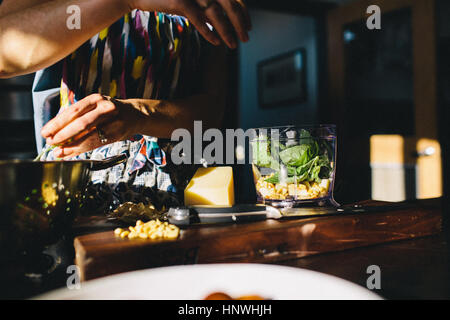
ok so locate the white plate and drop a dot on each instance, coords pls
(195, 282)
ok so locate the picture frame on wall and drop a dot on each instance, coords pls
(282, 79)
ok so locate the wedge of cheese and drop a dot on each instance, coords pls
(211, 186)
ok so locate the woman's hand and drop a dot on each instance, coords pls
(90, 123)
(228, 17)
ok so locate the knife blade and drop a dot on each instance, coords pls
(217, 214)
(256, 212)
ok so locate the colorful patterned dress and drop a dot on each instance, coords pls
(145, 55)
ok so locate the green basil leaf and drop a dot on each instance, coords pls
(296, 156)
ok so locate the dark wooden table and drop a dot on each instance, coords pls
(416, 268)
(410, 269)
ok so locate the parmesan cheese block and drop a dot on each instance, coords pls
(211, 186)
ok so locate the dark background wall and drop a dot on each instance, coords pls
(276, 33)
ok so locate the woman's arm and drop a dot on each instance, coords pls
(37, 37)
(11, 6)
(75, 127)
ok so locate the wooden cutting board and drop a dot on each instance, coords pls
(102, 253)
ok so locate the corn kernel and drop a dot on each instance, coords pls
(132, 235)
(143, 235)
(154, 229)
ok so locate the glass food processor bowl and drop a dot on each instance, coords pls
(294, 166)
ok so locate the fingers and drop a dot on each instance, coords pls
(88, 142)
(75, 111)
(248, 20)
(237, 16)
(198, 19)
(82, 125)
(229, 18)
(117, 120)
(216, 17)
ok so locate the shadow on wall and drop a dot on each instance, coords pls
(274, 34)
